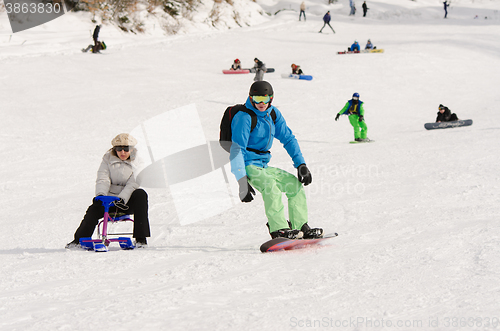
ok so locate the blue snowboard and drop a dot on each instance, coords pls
(447, 125)
(293, 76)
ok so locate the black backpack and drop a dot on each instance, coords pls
(225, 137)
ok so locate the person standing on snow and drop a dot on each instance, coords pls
(446, 5)
(302, 10)
(260, 69)
(365, 8)
(115, 177)
(249, 163)
(326, 19)
(354, 108)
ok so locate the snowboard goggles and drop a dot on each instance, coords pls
(122, 148)
(261, 98)
(355, 98)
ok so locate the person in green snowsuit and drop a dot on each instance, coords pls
(250, 156)
(354, 108)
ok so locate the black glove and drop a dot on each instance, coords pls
(246, 190)
(121, 204)
(361, 118)
(337, 117)
(304, 174)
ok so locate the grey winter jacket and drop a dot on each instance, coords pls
(115, 177)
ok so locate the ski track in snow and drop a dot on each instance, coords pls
(416, 211)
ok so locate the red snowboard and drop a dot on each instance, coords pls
(285, 244)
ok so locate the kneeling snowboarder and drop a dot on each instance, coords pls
(445, 115)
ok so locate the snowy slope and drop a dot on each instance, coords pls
(416, 211)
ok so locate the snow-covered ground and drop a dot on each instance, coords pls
(417, 211)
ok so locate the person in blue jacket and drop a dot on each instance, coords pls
(354, 47)
(326, 19)
(250, 156)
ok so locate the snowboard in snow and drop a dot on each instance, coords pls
(362, 51)
(293, 76)
(252, 70)
(447, 125)
(241, 71)
(361, 142)
(285, 244)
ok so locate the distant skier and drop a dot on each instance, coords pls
(302, 10)
(365, 8)
(445, 115)
(354, 108)
(353, 8)
(326, 19)
(354, 47)
(249, 155)
(260, 69)
(296, 70)
(446, 5)
(236, 65)
(115, 177)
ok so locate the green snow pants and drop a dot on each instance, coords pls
(272, 183)
(360, 128)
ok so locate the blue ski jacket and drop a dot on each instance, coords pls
(350, 110)
(355, 47)
(260, 139)
(327, 18)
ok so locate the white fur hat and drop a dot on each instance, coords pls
(123, 139)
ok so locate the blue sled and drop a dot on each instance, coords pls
(98, 245)
(293, 76)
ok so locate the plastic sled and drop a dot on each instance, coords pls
(101, 244)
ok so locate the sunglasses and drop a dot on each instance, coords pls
(122, 148)
(261, 98)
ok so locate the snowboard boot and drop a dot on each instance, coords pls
(287, 233)
(311, 233)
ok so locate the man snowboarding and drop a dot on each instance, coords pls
(326, 19)
(249, 154)
(354, 108)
